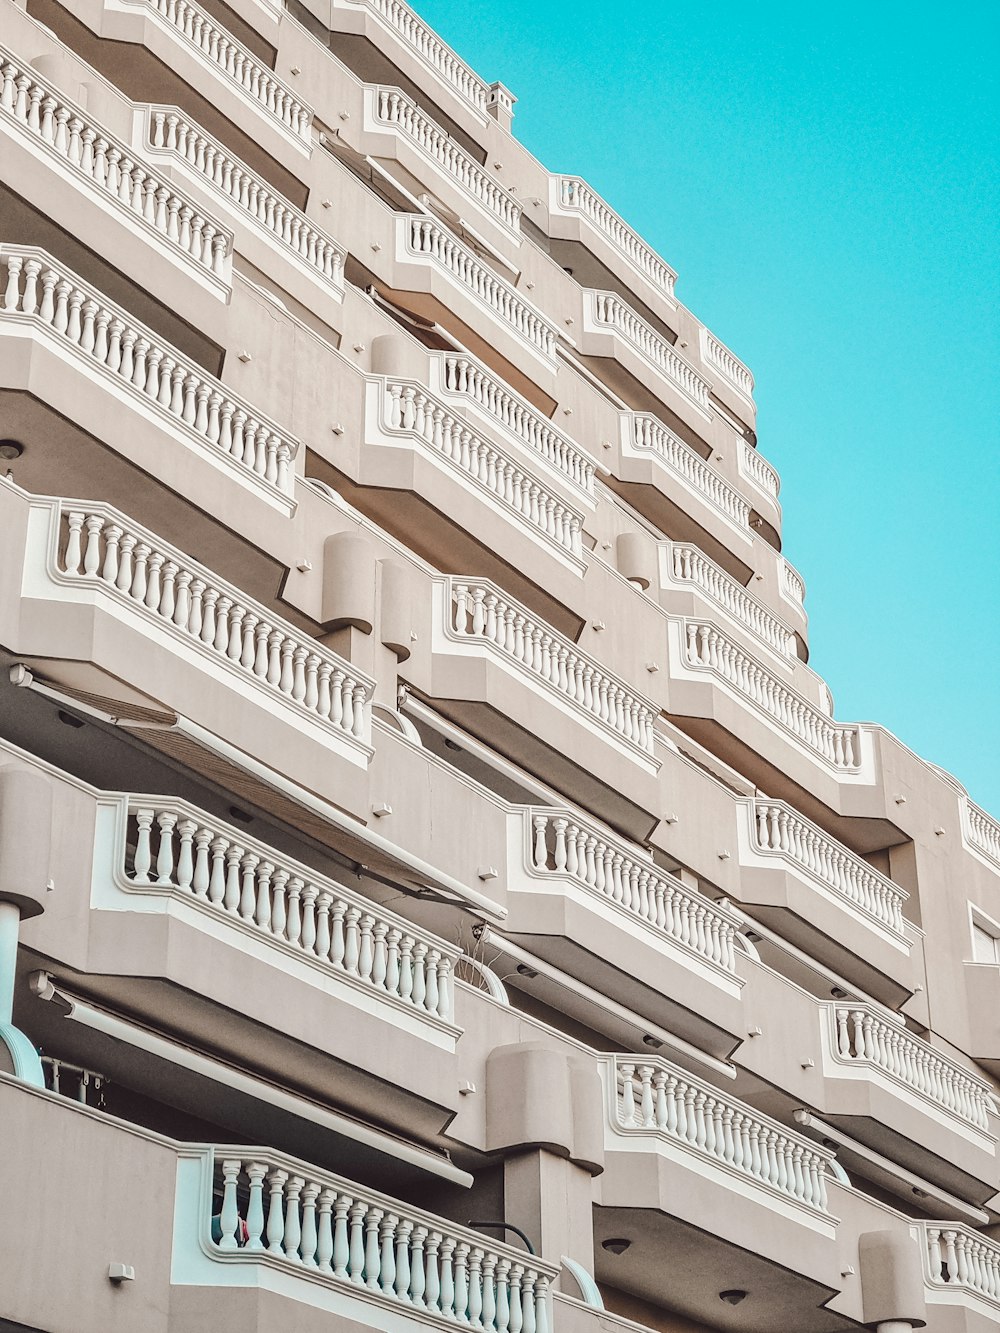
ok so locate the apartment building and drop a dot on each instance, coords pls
(435, 888)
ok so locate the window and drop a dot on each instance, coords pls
(985, 942)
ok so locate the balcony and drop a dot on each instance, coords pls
(398, 411)
(268, 226)
(758, 470)
(430, 154)
(604, 911)
(113, 203)
(363, 1257)
(214, 638)
(467, 288)
(962, 1267)
(734, 372)
(69, 326)
(174, 858)
(792, 585)
(576, 212)
(981, 833)
(494, 402)
(683, 566)
(613, 329)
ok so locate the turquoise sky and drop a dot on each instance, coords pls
(823, 178)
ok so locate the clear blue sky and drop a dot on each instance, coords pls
(824, 180)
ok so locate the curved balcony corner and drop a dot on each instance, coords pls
(606, 316)
(981, 832)
(717, 355)
(571, 197)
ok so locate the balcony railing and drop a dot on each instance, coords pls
(85, 1086)
(431, 50)
(104, 163)
(642, 432)
(515, 414)
(558, 843)
(328, 1229)
(160, 379)
(392, 107)
(480, 612)
(686, 564)
(792, 583)
(657, 1097)
(611, 312)
(858, 1035)
(171, 847)
(779, 830)
(214, 44)
(959, 1259)
(759, 470)
(425, 239)
(707, 649)
(168, 130)
(981, 830)
(408, 409)
(96, 546)
(717, 354)
(576, 196)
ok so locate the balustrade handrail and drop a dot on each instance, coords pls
(776, 828)
(687, 564)
(655, 1095)
(391, 106)
(168, 383)
(707, 649)
(95, 544)
(645, 432)
(859, 1035)
(560, 843)
(461, 375)
(611, 311)
(429, 47)
(479, 610)
(576, 194)
(168, 130)
(408, 408)
(719, 355)
(982, 830)
(957, 1256)
(792, 582)
(95, 155)
(425, 238)
(235, 61)
(276, 1207)
(759, 470)
(172, 847)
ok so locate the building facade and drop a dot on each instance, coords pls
(435, 889)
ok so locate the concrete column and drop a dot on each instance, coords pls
(892, 1281)
(550, 1198)
(895, 1326)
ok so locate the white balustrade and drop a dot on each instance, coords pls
(103, 548)
(409, 409)
(792, 583)
(982, 830)
(393, 107)
(576, 196)
(479, 611)
(759, 470)
(427, 240)
(429, 47)
(168, 130)
(611, 311)
(777, 828)
(460, 375)
(957, 1257)
(97, 157)
(173, 847)
(39, 292)
(327, 1228)
(561, 844)
(708, 649)
(718, 354)
(861, 1036)
(688, 565)
(644, 432)
(654, 1095)
(232, 59)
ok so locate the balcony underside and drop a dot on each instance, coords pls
(672, 407)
